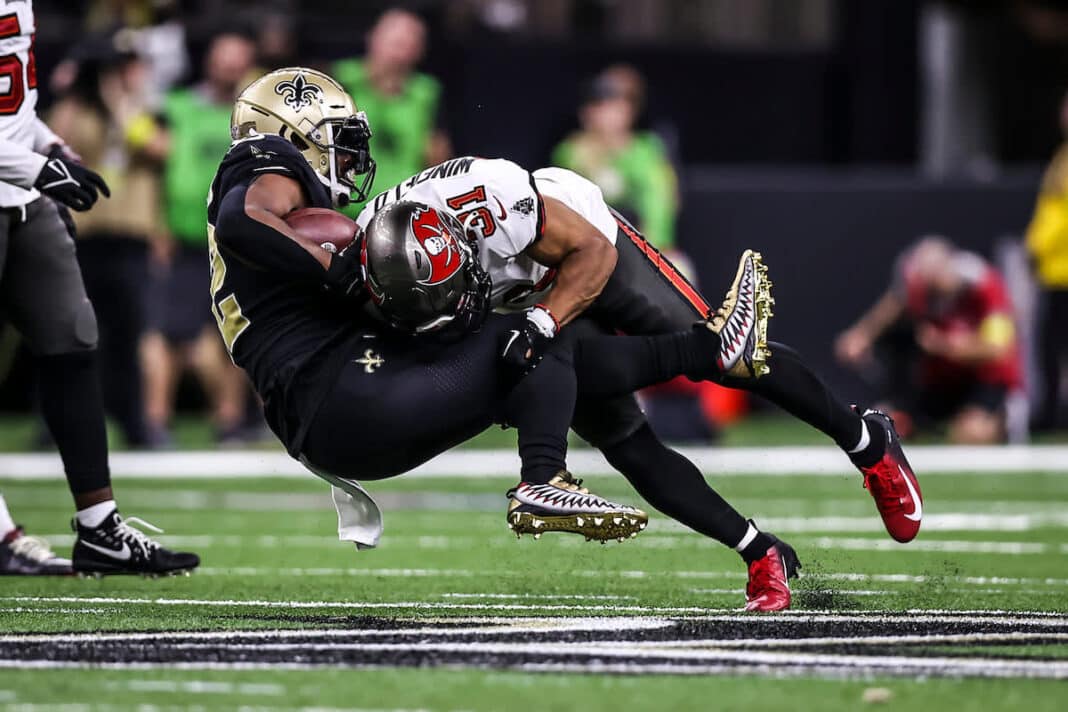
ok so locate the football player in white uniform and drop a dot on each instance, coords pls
(530, 229)
(41, 292)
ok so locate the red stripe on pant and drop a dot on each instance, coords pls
(667, 270)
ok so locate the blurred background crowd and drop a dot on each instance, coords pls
(891, 158)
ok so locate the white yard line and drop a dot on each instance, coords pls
(200, 687)
(823, 460)
(1020, 618)
(894, 578)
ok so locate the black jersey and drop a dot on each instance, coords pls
(278, 321)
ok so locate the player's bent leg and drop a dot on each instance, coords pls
(541, 405)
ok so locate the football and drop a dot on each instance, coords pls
(326, 228)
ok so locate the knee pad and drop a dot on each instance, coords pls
(74, 330)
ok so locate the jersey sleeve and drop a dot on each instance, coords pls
(44, 137)
(19, 165)
(515, 203)
(250, 158)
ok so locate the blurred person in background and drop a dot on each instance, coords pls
(631, 167)
(182, 331)
(633, 171)
(104, 119)
(276, 43)
(1047, 243)
(153, 27)
(964, 364)
(404, 105)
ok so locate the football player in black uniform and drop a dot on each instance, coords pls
(354, 400)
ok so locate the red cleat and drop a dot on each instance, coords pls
(769, 586)
(893, 484)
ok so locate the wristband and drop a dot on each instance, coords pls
(543, 320)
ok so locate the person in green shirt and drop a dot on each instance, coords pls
(632, 170)
(402, 105)
(630, 167)
(182, 331)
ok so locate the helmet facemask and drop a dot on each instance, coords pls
(346, 138)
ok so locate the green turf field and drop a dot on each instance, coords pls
(520, 624)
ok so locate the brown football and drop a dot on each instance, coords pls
(326, 228)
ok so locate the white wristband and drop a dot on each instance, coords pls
(543, 321)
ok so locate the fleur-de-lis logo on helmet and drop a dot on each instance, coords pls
(298, 92)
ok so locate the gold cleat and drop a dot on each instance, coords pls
(742, 320)
(564, 505)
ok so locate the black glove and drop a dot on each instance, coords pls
(69, 182)
(523, 348)
(345, 273)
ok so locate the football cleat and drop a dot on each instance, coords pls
(892, 483)
(564, 505)
(22, 555)
(742, 321)
(116, 547)
(769, 578)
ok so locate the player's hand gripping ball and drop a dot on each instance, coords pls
(336, 233)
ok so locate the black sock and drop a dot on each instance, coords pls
(758, 547)
(73, 409)
(674, 485)
(795, 388)
(876, 447)
(541, 406)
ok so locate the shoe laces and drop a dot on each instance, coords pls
(32, 548)
(884, 483)
(128, 533)
(565, 480)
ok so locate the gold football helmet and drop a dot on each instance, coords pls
(319, 118)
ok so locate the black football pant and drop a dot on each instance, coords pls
(42, 294)
(400, 401)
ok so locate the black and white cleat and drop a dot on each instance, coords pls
(564, 505)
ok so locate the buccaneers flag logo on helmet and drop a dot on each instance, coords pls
(444, 255)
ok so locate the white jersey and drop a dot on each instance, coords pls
(21, 132)
(502, 204)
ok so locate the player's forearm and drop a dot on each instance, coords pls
(259, 238)
(19, 165)
(581, 277)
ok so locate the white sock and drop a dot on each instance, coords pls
(94, 515)
(6, 523)
(865, 438)
(750, 534)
